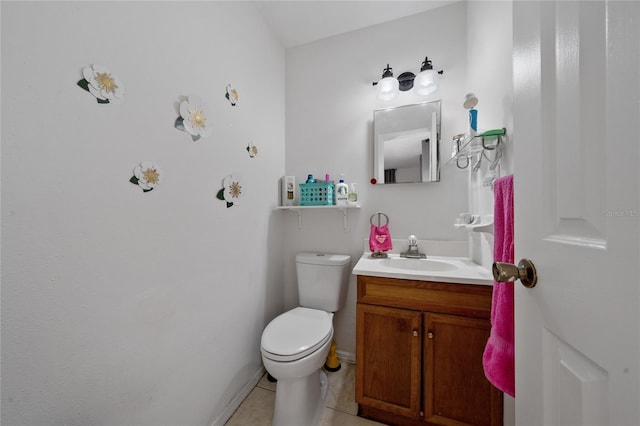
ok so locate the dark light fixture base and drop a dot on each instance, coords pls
(406, 81)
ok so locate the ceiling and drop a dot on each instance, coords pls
(303, 21)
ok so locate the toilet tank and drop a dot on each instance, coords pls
(323, 280)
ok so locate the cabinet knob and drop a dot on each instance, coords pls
(415, 333)
(430, 335)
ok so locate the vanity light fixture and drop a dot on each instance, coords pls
(425, 83)
(388, 86)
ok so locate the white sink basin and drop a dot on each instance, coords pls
(424, 265)
(433, 268)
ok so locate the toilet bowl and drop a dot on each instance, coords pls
(295, 344)
(294, 347)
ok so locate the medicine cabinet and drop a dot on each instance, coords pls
(406, 143)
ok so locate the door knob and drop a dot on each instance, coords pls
(525, 272)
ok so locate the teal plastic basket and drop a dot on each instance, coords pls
(316, 194)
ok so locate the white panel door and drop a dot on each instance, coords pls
(577, 211)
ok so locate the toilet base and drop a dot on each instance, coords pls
(299, 402)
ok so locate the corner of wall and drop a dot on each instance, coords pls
(493, 85)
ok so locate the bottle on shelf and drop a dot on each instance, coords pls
(342, 192)
(352, 197)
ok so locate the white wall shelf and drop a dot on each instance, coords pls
(478, 224)
(300, 209)
(480, 227)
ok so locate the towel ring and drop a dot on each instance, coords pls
(378, 214)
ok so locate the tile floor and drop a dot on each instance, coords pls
(340, 405)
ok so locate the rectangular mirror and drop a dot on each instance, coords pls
(406, 143)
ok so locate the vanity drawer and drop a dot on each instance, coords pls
(458, 299)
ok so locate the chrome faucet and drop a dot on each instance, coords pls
(413, 252)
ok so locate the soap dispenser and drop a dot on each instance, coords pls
(342, 192)
(353, 194)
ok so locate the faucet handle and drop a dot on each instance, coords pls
(413, 241)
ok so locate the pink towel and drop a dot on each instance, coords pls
(380, 238)
(498, 359)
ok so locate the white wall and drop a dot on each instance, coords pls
(329, 105)
(490, 56)
(118, 306)
(490, 77)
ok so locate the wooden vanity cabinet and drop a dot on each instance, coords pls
(419, 347)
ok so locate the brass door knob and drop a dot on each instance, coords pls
(525, 272)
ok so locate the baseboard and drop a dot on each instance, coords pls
(238, 398)
(348, 357)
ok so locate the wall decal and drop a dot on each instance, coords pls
(232, 95)
(252, 150)
(101, 83)
(194, 118)
(146, 175)
(231, 190)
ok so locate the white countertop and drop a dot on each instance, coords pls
(462, 270)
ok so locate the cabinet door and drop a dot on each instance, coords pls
(388, 359)
(456, 390)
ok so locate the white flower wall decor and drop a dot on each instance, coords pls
(231, 95)
(231, 190)
(252, 150)
(146, 175)
(101, 83)
(195, 118)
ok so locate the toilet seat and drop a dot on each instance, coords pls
(296, 334)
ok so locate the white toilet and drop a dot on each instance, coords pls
(296, 343)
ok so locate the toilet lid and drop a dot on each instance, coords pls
(296, 333)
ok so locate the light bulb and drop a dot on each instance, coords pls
(388, 88)
(426, 82)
